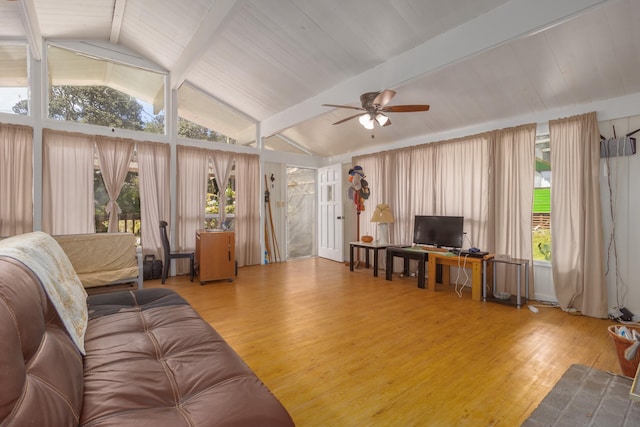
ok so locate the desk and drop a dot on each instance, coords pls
(480, 269)
(408, 253)
(376, 247)
(519, 263)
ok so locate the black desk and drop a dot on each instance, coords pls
(407, 253)
(410, 252)
(367, 246)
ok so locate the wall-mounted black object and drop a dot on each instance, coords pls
(615, 147)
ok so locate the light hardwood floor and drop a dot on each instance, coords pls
(342, 348)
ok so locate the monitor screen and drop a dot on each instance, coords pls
(440, 231)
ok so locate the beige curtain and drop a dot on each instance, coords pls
(16, 180)
(153, 175)
(421, 184)
(509, 226)
(247, 216)
(115, 156)
(222, 162)
(67, 181)
(462, 185)
(192, 175)
(577, 256)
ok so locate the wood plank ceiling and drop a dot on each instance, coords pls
(277, 61)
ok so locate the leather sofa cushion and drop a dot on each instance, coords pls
(152, 360)
(41, 372)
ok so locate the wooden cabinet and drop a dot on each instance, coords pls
(215, 255)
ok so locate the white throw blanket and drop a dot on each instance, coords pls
(46, 259)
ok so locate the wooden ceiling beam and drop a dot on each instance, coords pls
(31, 26)
(116, 22)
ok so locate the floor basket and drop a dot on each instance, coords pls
(629, 367)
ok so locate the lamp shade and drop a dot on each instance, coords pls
(382, 214)
(382, 119)
(366, 121)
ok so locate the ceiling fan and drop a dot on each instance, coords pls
(374, 104)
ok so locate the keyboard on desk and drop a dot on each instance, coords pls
(431, 248)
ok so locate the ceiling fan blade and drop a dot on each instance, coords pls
(343, 106)
(384, 97)
(405, 108)
(348, 118)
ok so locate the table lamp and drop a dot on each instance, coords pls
(383, 216)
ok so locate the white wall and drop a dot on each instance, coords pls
(620, 190)
(543, 282)
(277, 201)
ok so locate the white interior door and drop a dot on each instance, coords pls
(330, 229)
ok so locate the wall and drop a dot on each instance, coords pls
(543, 282)
(349, 212)
(277, 201)
(619, 181)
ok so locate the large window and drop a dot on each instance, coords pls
(128, 200)
(542, 201)
(87, 89)
(214, 194)
(203, 118)
(14, 81)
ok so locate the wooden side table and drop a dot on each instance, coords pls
(479, 270)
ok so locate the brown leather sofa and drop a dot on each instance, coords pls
(150, 360)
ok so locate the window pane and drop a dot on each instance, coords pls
(128, 200)
(14, 82)
(212, 207)
(280, 142)
(103, 92)
(301, 212)
(542, 201)
(203, 118)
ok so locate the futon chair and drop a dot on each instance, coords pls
(168, 255)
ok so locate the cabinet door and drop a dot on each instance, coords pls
(217, 255)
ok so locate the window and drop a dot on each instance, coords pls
(88, 89)
(201, 117)
(14, 81)
(212, 208)
(128, 200)
(281, 142)
(541, 224)
(301, 212)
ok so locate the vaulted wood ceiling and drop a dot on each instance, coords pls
(277, 61)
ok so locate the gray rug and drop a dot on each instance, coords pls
(587, 397)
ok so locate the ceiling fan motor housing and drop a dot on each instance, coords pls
(367, 99)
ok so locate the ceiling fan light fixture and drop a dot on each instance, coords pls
(366, 121)
(381, 119)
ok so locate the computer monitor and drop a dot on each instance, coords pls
(440, 231)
